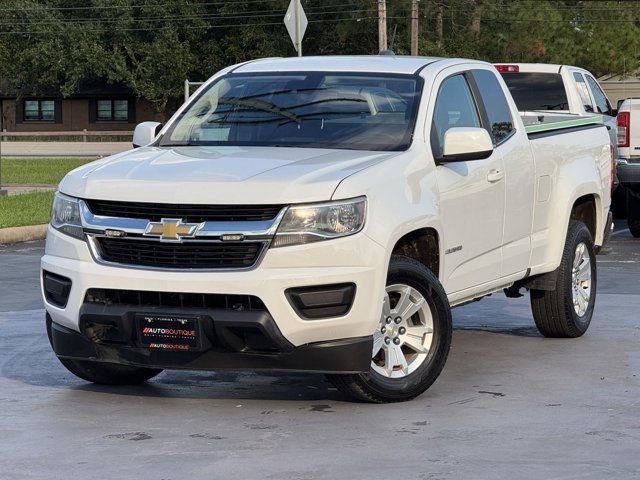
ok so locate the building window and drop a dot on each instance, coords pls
(112, 110)
(40, 110)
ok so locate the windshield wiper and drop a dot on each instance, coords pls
(185, 144)
(258, 105)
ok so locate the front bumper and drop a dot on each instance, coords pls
(337, 356)
(356, 259)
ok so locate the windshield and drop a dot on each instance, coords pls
(537, 91)
(302, 109)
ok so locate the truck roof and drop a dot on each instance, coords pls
(355, 63)
(540, 67)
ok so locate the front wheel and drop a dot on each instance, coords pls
(104, 373)
(411, 343)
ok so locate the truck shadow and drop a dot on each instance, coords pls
(26, 357)
(36, 365)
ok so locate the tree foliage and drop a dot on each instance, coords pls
(152, 46)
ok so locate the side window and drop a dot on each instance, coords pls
(601, 99)
(454, 107)
(583, 91)
(496, 105)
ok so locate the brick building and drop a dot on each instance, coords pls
(97, 106)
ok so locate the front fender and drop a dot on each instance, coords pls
(402, 197)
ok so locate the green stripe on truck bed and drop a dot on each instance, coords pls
(548, 126)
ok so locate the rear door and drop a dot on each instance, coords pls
(471, 197)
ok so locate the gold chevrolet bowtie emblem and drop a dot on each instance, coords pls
(171, 229)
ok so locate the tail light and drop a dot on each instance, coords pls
(622, 123)
(508, 68)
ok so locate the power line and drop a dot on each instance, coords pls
(116, 7)
(174, 17)
(111, 7)
(203, 27)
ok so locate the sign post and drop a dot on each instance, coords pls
(296, 22)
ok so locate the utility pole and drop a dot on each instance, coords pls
(414, 27)
(382, 25)
(439, 33)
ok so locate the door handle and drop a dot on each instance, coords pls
(495, 176)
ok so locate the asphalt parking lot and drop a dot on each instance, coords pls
(509, 404)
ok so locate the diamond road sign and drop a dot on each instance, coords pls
(296, 22)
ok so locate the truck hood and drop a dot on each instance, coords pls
(219, 175)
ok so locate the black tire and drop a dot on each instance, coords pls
(619, 203)
(371, 387)
(633, 212)
(553, 310)
(105, 373)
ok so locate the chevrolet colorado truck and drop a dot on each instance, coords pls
(323, 214)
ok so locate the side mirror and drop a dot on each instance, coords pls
(466, 143)
(145, 132)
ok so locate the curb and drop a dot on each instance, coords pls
(23, 234)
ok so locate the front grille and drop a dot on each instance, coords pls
(188, 213)
(193, 254)
(143, 298)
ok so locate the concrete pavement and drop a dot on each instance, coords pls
(509, 405)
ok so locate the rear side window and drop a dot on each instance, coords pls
(583, 91)
(537, 91)
(602, 103)
(454, 107)
(495, 104)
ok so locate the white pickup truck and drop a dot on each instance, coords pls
(628, 132)
(323, 215)
(563, 89)
(560, 90)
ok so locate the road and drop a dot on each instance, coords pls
(63, 149)
(509, 404)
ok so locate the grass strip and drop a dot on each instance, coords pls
(26, 209)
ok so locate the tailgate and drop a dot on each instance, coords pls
(634, 130)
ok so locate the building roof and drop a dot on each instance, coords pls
(350, 63)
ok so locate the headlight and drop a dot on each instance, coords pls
(65, 215)
(323, 221)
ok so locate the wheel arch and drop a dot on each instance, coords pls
(583, 204)
(586, 209)
(423, 245)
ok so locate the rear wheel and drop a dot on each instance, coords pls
(566, 311)
(105, 373)
(411, 343)
(633, 212)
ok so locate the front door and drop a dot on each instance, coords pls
(472, 193)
